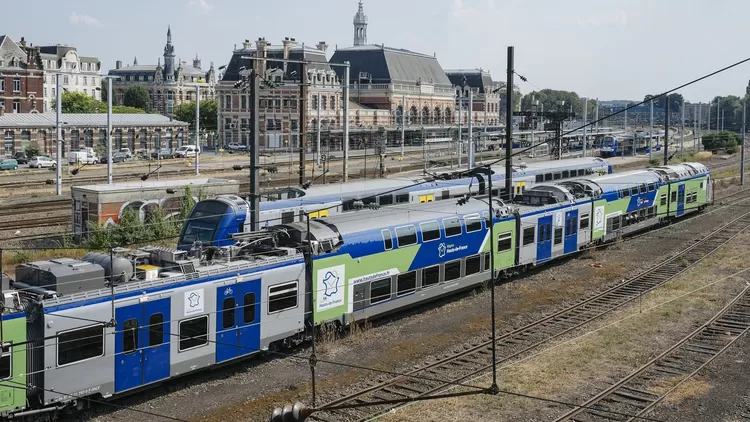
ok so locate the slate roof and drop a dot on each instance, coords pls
(150, 69)
(26, 120)
(475, 78)
(387, 65)
(298, 52)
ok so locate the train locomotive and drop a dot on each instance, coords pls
(106, 325)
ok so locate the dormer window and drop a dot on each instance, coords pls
(14, 62)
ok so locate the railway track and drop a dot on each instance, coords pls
(436, 376)
(638, 393)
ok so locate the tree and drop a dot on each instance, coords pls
(550, 99)
(136, 96)
(32, 150)
(185, 112)
(78, 102)
(675, 101)
(104, 86)
(725, 140)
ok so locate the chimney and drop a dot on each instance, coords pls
(322, 46)
(22, 43)
(262, 52)
(246, 45)
(288, 44)
(118, 64)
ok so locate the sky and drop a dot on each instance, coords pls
(613, 50)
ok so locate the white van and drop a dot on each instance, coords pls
(82, 157)
(187, 151)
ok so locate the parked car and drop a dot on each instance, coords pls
(118, 157)
(162, 154)
(8, 164)
(235, 146)
(127, 152)
(82, 157)
(21, 158)
(42, 161)
(186, 151)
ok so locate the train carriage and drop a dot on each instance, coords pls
(13, 354)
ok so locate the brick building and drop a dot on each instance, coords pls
(486, 97)
(169, 85)
(135, 131)
(21, 77)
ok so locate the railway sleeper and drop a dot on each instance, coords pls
(632, 397)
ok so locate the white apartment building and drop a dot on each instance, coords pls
(77, 73)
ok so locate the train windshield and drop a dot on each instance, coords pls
(608, 142)
(202, 223)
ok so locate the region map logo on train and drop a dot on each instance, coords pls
(330, 290)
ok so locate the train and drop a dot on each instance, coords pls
(132, 319)
(614, 146)
(292, 204)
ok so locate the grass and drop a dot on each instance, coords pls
(577, 369)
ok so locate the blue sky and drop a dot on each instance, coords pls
(598, 48)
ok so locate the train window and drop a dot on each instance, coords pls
(287, 217)
(528, 235)
(155, 329)
(385, 199)
(452, 270)
(248, 312)
(634, 191)
(6, 363)
(487, 262)
(227, 312)
(558, 235)
(566, 174)
(650, 212)
(643, 188)
(504, 242)
(625, 193)
(651, 187)
(539, 178)
(380, 290)
(282, 297)
(81, 344)
(556, 176)
(387, 240)
(430, 231)
(446, 195)
(663, 199)
(452, 226)
(473, 223)
(402, 198)
(584, 221)
(701, 185)
(674, 196)
(473, 265)
(193, 333)
(130, 336)
(406, 283)
(547, 177)
(581, 172)
(430, 276)
(406, 235)
(348, 204)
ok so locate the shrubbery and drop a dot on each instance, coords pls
(725, 140)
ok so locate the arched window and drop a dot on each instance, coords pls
(399, 115)
(413, 115)
(425, 115)
(448, 115)
(436, 116)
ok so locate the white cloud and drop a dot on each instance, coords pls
(84, 19)
(200, 6)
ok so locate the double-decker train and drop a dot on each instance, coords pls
(106, 325)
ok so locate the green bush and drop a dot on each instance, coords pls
(725, 140)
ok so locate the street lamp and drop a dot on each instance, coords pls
(109, 126)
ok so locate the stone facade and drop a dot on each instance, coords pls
(77, 73)
(486, 95)
(20, 77)
(147, 132)
(169, 85)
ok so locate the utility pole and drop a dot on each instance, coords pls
(58, 127)
(695, 127)
(109, 131)
(403, 123)
(508, 129)
(470, 157)
(666, 130)
(700, 124)
(254, 150)
(302, 122)
(197, 129)
(345, 168)
(742, 144)
(651, 132)
(317, 128)
(722, 120)
(585, 117)
(718, 109)
(460, 106)
(596, 116)
(682, 131)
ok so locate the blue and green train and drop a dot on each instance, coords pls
(137, 318)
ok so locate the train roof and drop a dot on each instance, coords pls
(566, 163)
(619, 181)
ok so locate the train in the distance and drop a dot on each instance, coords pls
(106, 325)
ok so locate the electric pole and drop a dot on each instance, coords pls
(509, 127)
(666, 130)
(303, 122)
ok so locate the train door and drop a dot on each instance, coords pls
(141, 344)
(681, 200)
(571, 232)
(544, 239)
(237, 320)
